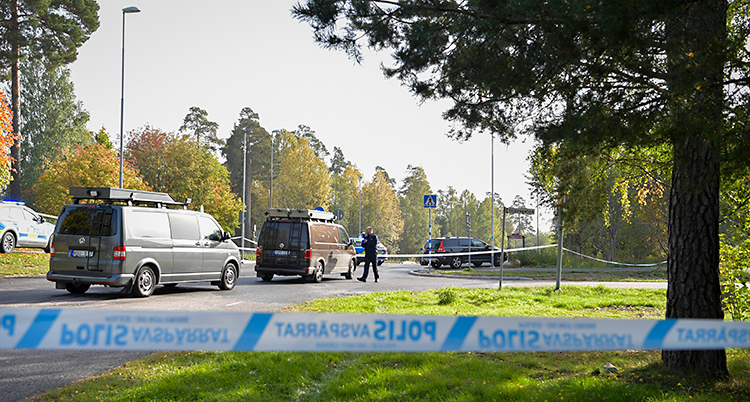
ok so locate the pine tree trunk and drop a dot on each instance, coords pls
(693, 268)
(15, 150)
(696, 34)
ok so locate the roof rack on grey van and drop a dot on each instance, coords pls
(111, 195)
(309, 214)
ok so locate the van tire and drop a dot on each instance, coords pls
(350, 273)
(317, 276)
(8, 243)
(145, 282)
(228, 277)
(77, 289)
(266, 277)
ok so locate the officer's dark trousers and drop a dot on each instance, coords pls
(368, 260)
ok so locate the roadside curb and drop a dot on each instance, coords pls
(510, 278)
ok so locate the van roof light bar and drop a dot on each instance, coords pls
(122, 195)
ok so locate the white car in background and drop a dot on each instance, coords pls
(20, 226)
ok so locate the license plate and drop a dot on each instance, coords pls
(280, 252)
(81, 253)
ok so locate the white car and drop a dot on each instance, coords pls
(22, 227)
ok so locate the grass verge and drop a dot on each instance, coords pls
(24, 263)
(599, 275)
(264, 376)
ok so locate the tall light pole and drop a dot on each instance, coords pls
(270, 198)
(244, 190)
(492, 191)
(126, 10)
(359, 227)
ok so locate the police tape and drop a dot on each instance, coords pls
(84, 329)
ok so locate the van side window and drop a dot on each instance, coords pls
(343, 235)
(209, 229)
(88, 221)
(184, 227)
(147, 224)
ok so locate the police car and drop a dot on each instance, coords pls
(22, 227)
(382, 250)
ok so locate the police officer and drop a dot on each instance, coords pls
(370, 244)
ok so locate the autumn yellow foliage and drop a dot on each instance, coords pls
(7, 137)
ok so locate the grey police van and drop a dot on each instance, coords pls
(305, 243)
(136, 240)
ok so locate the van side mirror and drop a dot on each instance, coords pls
(226, 236)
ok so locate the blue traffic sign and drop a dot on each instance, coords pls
(430, 200)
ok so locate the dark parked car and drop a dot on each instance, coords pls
(453, 245)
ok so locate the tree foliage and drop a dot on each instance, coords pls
(415, 215)
(51, 31)
(248, 135)
(302, 179)
(177, 165)
(197, 125)
(345, 195)
(51, 119)
(91, 165)
(7, 137)
(633, 73)
(380, 209)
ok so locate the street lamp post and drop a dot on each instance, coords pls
(270, 198)
(126, 10)
(244, 190)
(492, 191)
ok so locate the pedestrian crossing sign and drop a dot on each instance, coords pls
(430, 201)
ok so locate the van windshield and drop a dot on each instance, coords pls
(88, 221)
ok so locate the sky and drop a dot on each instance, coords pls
(225, 55)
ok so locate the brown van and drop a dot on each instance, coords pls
(305, 243)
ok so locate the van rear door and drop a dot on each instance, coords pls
(284, 243)
(85, 239)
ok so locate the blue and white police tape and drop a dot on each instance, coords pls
(85, 329)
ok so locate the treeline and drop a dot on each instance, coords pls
(57, 151)
(307, 175)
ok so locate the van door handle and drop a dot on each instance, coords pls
(198, 243)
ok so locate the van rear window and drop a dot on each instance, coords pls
(88, 221)
(292, 234)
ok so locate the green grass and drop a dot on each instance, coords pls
(571, 301)
(332, 377)
(651, 275)
(24, 264)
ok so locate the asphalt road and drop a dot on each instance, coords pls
(24, 373)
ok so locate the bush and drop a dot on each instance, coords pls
(446, 296)
(734, 276)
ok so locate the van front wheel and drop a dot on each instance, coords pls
(228, 277)
(145, 282)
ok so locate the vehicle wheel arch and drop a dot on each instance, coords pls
(153, 264)
(134, 285)
(237, 263)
